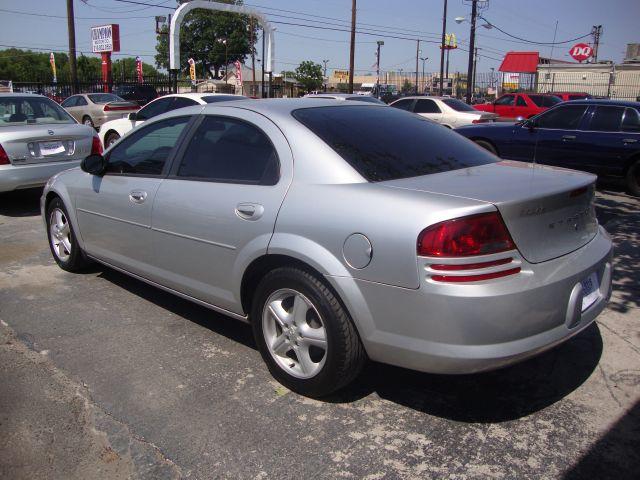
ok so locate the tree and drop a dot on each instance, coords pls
(407, 86)
(309, 74)
(211, 39)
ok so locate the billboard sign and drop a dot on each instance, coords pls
(105, 38)
(341, 74)
(581, 51)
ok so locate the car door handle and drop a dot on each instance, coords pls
(568, 138)
(137, 196)
(249, 211)
(629, 140)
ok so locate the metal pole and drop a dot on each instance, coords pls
(262, 63)
(472, 44)
(444, 33)
(417, 57)
(253, 57)
(475, 61)
(352, 49)
(378, 69)
(325, 74)
(71, 26)
(447, 71)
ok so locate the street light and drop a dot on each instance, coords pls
(424, 84)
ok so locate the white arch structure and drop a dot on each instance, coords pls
(178, 17)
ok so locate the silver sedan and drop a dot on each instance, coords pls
(39, 139)
(413, 247)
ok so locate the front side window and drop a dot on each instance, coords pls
(403, 104)
(506, 100)
(631, 121)
(566, 117)
(31, 110)
(146, 151)
(232, 151)
(154, 109)
(411, 145)
(607, 119)
(426, 106)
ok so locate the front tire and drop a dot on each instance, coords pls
(304, 334)
(62, 239)
(487, 146)
(633, 179)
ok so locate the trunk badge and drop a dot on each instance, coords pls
(50, 132)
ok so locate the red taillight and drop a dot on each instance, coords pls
(96, 146)
(4, 158)
(480, 120)
(481, 234)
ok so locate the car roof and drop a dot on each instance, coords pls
(18, 94)
(333, 95)
(604, 101)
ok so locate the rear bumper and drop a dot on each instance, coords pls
(469, 328)
(14, 177)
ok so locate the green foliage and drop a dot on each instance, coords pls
(201, 37)
(407, 86)
(27, 66)
(309, 74)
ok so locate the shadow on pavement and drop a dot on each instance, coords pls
(21, 203)
(497, 396)
(616, 454)
(620, 215)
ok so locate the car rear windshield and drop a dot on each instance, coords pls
(104, 98)
(545, 100)
(222, 98)
(388, 143)
(31, 110)
(458, 105)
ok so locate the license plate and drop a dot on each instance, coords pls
(51, 148)
(590, 290)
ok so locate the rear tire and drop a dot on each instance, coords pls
(633, 179)
(487, 146)
(304, 334)
(63, 242)
(110, 139)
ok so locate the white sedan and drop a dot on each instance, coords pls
(449, 112)
(110, 132)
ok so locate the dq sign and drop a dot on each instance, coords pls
(581, 52)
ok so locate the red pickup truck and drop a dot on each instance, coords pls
(514, 105)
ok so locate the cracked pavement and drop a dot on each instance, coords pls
(102, 376)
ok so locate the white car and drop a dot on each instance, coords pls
(110, 132)
(450, 112)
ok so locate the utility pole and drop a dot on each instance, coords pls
(253, 56)
(475, 63)
(71, 26)
(444, 30)
(596, 31)
(417, 58)
(325, 74)
(424, 83)
(380, 43)
(352, 51)
(472, 44)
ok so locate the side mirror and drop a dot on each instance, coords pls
(94, 164)
(133, 116)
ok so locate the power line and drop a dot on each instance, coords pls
(531, 41)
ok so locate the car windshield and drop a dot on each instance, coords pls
(31, 110)
(388, 143)
(458, 105)
(222, 98)
(104, 98)
(366, 99)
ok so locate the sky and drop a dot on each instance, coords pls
(380, 19)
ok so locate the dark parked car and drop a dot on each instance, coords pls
(598, 136)
(141, 94)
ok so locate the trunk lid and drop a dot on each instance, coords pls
(43, 143)
(549, 211)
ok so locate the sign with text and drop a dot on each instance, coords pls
(192, 70)
(341, 74)
(105, 38)
(581, 52)
(238, 73)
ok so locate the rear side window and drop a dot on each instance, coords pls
(403, 104)
(231, 151)
(521, 102)
(223, 98)
(81, 102)
(607, 119)
(458, 105)
(69, 102)
(146, 151)
(631, 120)
(426, 106)
(411, 145)
(154, 108)
(180, 102)
(566, 117)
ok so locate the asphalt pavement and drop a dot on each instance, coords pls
(102, 376)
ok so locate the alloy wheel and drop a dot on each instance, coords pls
(294, 333)
(60, 234)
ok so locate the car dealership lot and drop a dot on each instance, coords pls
(157, 387)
